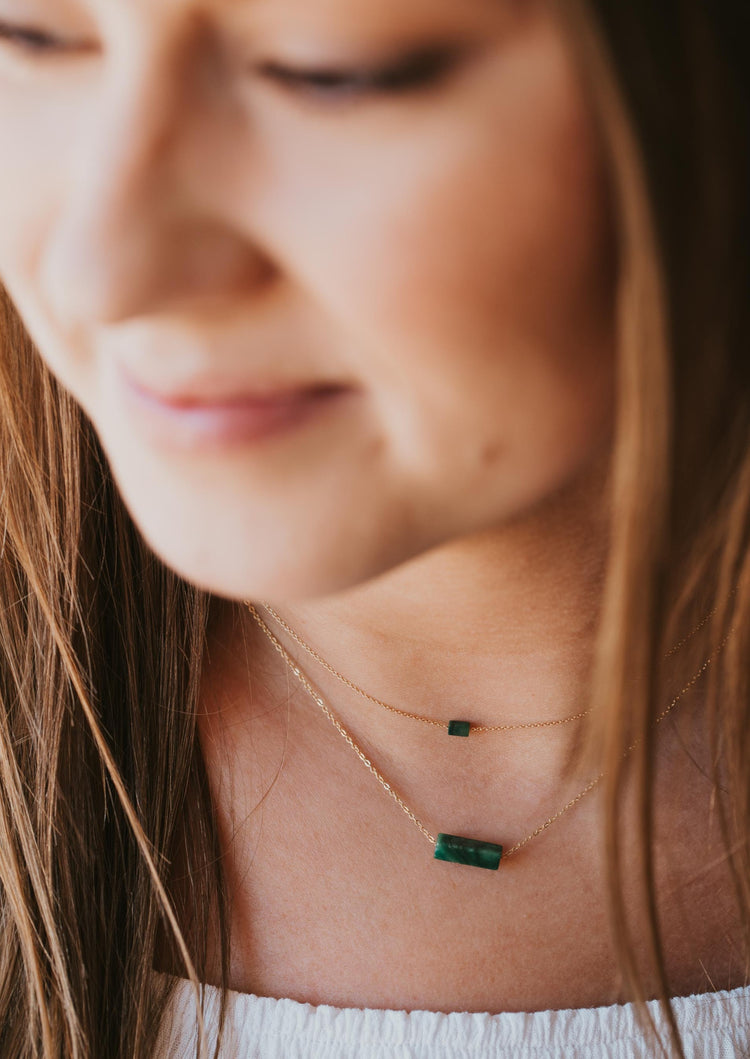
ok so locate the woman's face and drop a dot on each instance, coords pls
(333, 279)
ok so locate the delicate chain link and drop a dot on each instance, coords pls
(476, 729)
(317, 698)
(693, 680)
(548, 823)
(681, 643)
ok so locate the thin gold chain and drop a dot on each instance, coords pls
(476, 729)
(316, 697)
(389, 789)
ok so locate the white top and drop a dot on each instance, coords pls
(713, 1026)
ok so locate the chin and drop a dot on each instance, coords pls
(277, 579)
(279, 567)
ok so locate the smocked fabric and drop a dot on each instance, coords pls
(712, 1025)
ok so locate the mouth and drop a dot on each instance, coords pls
(216, 415)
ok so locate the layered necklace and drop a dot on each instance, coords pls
(457, 849)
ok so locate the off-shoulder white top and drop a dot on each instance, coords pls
(713, 1026)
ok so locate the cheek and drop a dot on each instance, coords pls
(27, 198)
(39, 129)
(478, 227)
(505, 244)
(503, 284)
(473, 265)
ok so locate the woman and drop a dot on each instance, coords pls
(423, 326)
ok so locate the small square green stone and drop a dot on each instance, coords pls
(461, 728)
(471, 851)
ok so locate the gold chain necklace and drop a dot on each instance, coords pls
(454, 728)
(454, 848)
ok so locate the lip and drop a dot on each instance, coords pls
(186, 419)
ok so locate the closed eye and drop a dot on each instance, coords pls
(415, 72)
(38, 42)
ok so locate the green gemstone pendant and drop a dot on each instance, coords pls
(471, 851)
(461, 728)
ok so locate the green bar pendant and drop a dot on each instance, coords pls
(461, 728)
(470, 851)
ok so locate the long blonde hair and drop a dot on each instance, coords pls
(101, 646)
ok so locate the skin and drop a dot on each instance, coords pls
(445, 257)
(443, 253)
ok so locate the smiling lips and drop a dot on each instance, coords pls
(191, 420)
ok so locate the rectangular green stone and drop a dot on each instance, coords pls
(461, 728)
(470, 851)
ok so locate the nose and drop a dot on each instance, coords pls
(135, 232)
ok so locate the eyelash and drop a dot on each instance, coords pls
(34, 41)
(411, 73)
(417, 71)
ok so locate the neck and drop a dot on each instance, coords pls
(496, 628)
